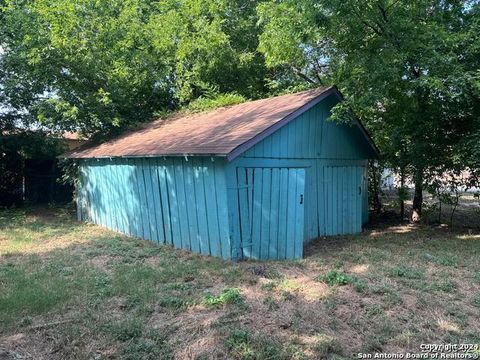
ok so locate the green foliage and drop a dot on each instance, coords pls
(70, 171)
(15, 148)
(152, 346)
(406, 272)
(374, 185)
(360, 285)
(226, 297)
(390, 295)
(409, 70)
(99, 67)
(336, 277)
(207, 103)
(374, 310)
(447, 260)
(25, 293)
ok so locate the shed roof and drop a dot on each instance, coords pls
(227, 131)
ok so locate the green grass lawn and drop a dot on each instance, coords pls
(76, 291)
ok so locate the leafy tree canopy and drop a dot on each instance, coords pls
(409, 69)
(100, 66)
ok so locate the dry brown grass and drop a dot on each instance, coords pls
(106, 296)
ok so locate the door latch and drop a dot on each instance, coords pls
(301, 199)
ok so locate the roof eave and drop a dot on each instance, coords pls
(142, 156)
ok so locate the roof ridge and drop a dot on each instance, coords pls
(206, 111)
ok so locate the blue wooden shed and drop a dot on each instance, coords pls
(255, 180)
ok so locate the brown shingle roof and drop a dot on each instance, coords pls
(226, 131)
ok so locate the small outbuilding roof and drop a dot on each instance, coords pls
(227, 131)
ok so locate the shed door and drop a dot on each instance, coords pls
(343, 199)
(271, 212)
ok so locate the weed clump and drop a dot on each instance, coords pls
(226, 297)
(244, 345)
(336, 277)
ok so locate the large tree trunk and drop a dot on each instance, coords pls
(401, 191)
(419, 149)
(374, 190)
(418, 196)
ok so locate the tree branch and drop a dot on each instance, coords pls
(366, 23)
(318, 70)
(383, 12)
(299, 73)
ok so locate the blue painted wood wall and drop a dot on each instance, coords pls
(193, 203)
(177, 201)
(335, 159)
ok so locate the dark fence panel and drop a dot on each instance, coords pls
(42, 185)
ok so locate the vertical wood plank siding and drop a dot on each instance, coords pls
(195, 203)
(168, 201)
(335, 158)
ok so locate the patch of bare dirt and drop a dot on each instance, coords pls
(102, 262)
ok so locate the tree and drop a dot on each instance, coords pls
(410, 70)
(102, 66)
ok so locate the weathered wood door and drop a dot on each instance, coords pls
(271, 211)
(342, 207)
